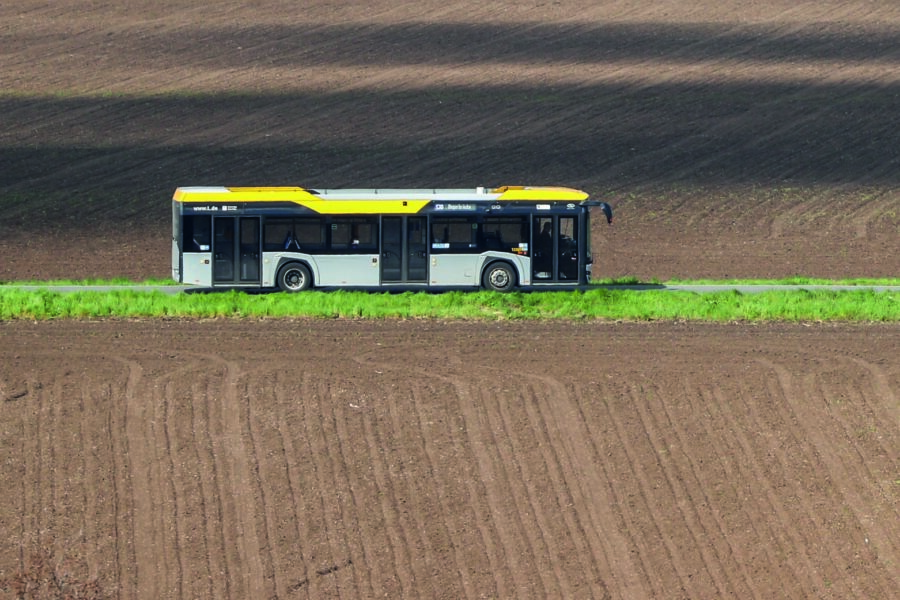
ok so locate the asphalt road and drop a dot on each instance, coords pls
(698, 289)
(755, 289)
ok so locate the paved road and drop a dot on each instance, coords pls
(755, 289)
(699, 289)
(166, 289)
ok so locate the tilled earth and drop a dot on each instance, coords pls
(260, 459)
(734, 139)
(415, 458)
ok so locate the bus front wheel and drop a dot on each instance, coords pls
(499, 277)
(294, 278)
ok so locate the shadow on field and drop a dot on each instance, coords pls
(66, 154)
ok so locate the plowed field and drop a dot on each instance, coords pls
(389, 459)
(734, 139)
(184, 459)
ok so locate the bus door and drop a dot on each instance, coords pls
(567, 254)
(404, 249)
(236, 250)
(555, 256)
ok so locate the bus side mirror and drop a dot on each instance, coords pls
(607, 210)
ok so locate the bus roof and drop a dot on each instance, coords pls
(311, 197)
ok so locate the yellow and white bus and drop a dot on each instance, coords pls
(294, 238)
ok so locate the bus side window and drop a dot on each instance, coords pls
(492, 240)
(309, 233)
(453, 235)
(366, 234)
(504, 233)
(354, 234)
(197, 233)
(304, 234)
(278, 234)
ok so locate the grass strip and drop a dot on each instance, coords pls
(605, 304)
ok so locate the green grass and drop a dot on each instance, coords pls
(603, 304)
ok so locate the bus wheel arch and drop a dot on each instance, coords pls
(499, 276)
(294, 276)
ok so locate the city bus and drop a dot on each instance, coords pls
(293, 239)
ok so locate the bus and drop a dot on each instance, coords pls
(293, 239)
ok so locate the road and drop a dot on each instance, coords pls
(698, 289)
(754, 289)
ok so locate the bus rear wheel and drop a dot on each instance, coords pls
(499, 277)
(294, 277)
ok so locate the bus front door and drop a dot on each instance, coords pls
(236, 250)
(556, 255)
(404, 250)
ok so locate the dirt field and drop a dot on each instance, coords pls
(734, 139)
(367, 459)
(424, 459)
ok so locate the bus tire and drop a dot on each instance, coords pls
(499, 277)
(294, 277)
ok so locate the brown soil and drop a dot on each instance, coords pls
(387, 459)
(734, 139)
(359, 459)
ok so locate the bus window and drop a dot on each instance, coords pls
(249, 248)
(278, 235)
(303, 234)
(354, 234)
(506, 234)
(567, 228)
(197, 233)
(223, 251)
(416, 248)
(543, 248)
(310, 233)
(568, 248)
(454, 235)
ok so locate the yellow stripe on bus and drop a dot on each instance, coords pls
(245, 194)
(301, 197)
(357, 207)
(537, 194)
(365, 205)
